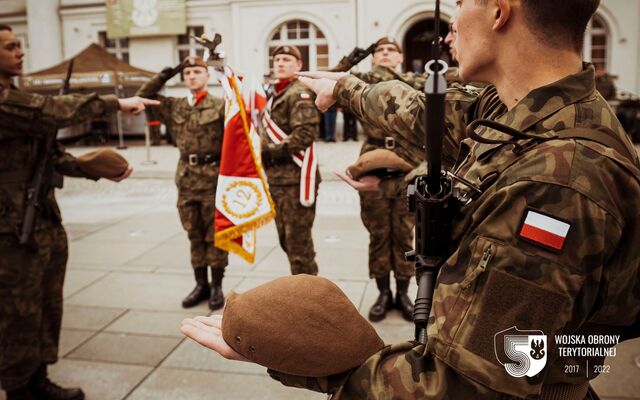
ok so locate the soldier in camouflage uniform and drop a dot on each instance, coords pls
(32, 277)
(548, 242)
(197, 121)
(387, 218)
(292, 110)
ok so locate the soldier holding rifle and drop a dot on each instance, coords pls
(543, 241)
(33, 243)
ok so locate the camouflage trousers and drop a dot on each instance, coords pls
(31, 282)
(196, 214)
(294, 223)
(390, 226)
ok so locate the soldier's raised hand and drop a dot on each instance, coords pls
(135, 105)
(208, 332)
(323, 88)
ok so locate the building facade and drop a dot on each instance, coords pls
(326, 30)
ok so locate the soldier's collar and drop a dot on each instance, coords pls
(547, 100)
(281, 85)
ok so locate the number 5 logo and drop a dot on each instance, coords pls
(521, 352)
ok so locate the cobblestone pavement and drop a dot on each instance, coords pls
(129, 269)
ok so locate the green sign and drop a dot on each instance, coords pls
(131, 18)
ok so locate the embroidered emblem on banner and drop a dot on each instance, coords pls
(242, 199)
(544, 230)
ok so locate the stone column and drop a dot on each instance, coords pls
(45, 33)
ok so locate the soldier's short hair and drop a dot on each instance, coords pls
(4, 27)
(559, 24)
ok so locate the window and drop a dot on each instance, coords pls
(597, 43)
(187, 46)
(118, 47)
(308, 38)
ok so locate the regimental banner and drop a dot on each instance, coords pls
(132, 18)
(243, 202)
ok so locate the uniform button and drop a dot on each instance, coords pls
(238, 339)
(252, 349)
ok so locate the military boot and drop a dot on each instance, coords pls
(201, 291)
(403, 302)
(216, 301)
(384, 303)
(22, 393)
(43, 389)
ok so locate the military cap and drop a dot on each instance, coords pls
(290, 50)
(388, 40)
(378, 162)
(302, 325)
(194, 61)
(104, 163)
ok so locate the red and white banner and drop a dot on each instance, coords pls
(544, 230)
(243, 202)
(307, 160)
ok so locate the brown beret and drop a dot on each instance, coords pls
(375, 161)
(104, 163)
(301, 325)
(194, 61)
(388, 40)
(290, 50)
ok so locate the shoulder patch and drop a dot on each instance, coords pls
(305, 96)
(544, 230)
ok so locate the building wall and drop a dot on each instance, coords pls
(246, 26)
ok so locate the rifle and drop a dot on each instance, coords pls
(352, 59)
(44, 177)
(432, 197)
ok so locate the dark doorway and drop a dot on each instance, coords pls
(417, 44)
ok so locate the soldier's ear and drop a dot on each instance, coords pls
(299, 64)
(502, 13)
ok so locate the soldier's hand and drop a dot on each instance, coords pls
(124, 175)
(323, 89)
(208, 332)
(357, 55)
(367, 183)
(169, 72)
(135, 105)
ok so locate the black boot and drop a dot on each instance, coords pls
(403, 302)
(384, 302)
(201, 291)
(22, 393)
(216, 301)
(43, 389)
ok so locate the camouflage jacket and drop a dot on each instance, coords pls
(25, 119)
(376, 135)
(294, 111)
(498, 277)
(197, 130)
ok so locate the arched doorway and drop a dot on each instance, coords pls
(417, 44)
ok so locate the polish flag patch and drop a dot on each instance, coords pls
(544, 230)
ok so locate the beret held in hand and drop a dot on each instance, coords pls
(372, 162)
(301, 325)
(104, 163)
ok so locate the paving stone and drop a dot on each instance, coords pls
(89, 318)
(151, 323)
(76, 280)
(191, 355)
(100, 381)
(172, 384)
(125, 348)
(107, 252)
(162, 292)
(70, 339)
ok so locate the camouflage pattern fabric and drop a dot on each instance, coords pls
(294, 111)
(294, 223)
(387, 217)
(32, 278)
(495, 279)
(198, 130)
(196, 214)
